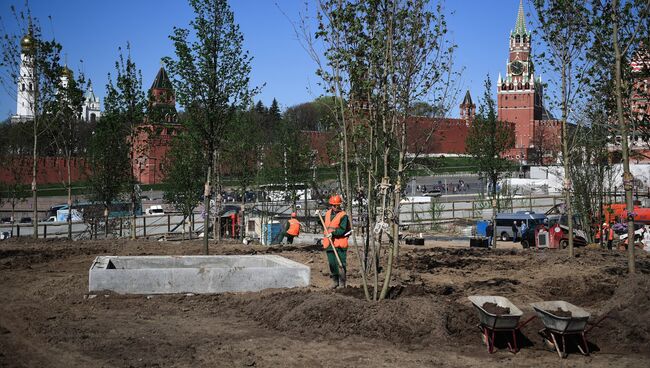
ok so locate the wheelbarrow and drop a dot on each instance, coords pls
(562, 320)
(490, 323)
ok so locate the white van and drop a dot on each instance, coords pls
(155, 210)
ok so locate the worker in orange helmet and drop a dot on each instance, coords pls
(292, 229)
(337, 230)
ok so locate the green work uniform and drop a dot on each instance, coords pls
(339, 232)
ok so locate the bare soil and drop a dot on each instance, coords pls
(561, 313)
(495, 309)
(48, 319)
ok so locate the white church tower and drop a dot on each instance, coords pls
(26, 83)
(90, 110)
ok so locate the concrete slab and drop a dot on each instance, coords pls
(194, 274)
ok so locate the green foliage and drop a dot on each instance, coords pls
(111, 154)
(125, 98)
(488, 139)
(210, 72)
(247, 143)
(184, 174)
(317, 115)
(108, 161)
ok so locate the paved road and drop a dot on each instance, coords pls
(446, 182)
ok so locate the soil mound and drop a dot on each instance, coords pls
(627, 325)
(416, 317)
(495, 309)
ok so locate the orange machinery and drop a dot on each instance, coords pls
(617, 211)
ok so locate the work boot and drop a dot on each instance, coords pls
(335, 282)
(342, 279)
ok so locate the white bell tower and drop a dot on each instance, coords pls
(26, 82)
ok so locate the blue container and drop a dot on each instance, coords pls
(272, 233)
(481, 227)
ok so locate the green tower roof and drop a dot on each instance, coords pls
(520, 26)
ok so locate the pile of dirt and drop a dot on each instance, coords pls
(495, 309)
(419, 318)
(561, 313)
(626, 326)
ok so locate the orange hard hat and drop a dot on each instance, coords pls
(335, 200)
(293, 214)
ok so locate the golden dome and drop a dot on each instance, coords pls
(66, 72)
(27, 41)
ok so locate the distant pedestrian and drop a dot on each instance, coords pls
(609, 233)
(523, 229)
(515, 231)
(489, 232)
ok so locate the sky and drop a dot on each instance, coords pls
(92, 31)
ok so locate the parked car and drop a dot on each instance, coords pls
(433, 193)
(25, 220)
(5, 220)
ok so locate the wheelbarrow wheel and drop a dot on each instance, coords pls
(549, 344)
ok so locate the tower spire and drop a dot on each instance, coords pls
(520, 25)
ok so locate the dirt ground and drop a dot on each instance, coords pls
(48, 319)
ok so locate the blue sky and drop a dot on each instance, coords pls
(92, 31)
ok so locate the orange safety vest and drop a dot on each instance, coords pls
(294, 227)
(332, 224)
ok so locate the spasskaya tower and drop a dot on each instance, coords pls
(520, 95)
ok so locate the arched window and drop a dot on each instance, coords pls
(524, 38)
(23, 89)
(93, 117)
(30, 87)
(517, 39)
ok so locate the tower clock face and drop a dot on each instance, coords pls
(516, 67)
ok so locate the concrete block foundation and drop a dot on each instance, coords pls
(194, 274)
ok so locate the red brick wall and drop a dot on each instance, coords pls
(434, 135)
(51, 170)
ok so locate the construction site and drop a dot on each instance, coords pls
(190, 225)
(49, 318)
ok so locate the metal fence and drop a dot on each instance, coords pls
(145, 226)
(426, 214)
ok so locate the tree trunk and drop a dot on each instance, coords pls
(627, 175)
(69, 217)
(34, 172)
(565, 153)
(494, 211)
(206, 206)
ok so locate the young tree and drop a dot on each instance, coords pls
(65, 115)
(125, 103)
(39, 60)
(183, 176)
(487, 141)
(108, 162)
(566, 35)
(211, 78)
(621, 27)
(380, 58)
